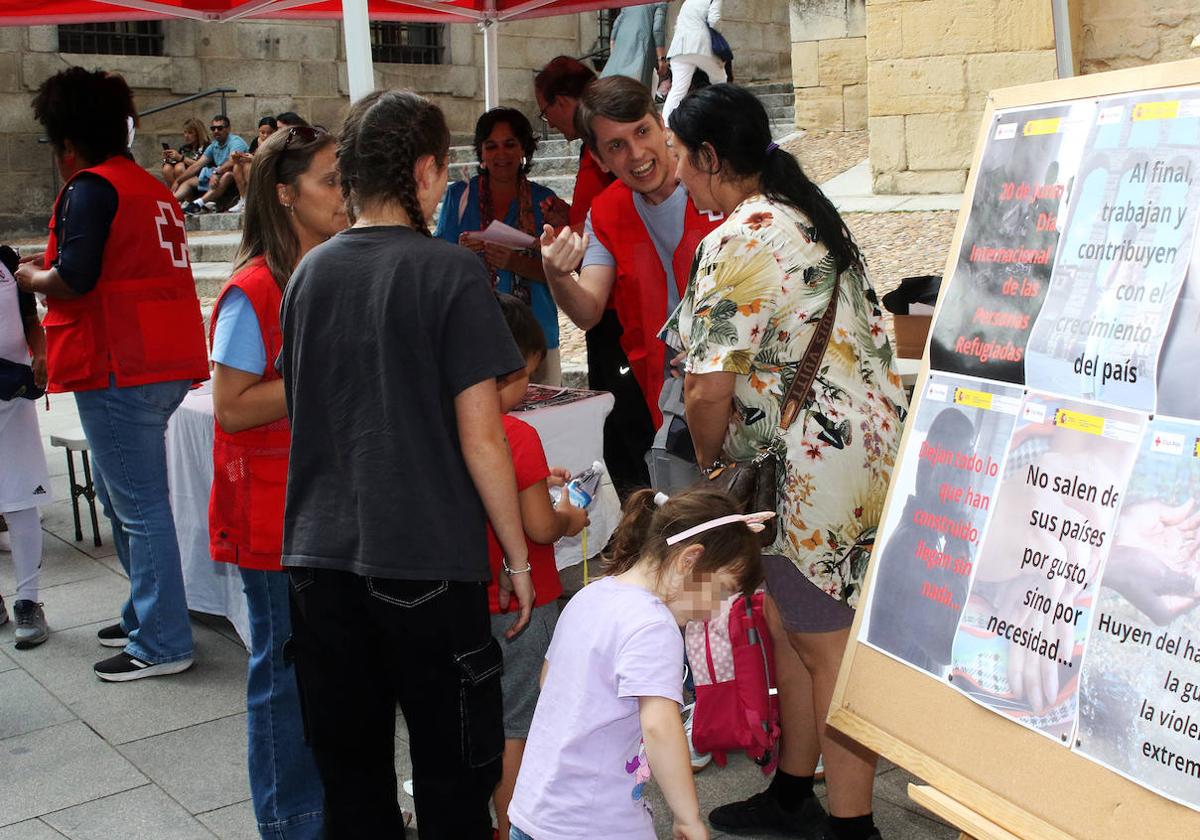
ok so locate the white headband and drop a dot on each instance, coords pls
(753, 521)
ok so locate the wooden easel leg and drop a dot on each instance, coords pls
(958, 815)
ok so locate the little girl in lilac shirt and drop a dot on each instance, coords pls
(611, 685)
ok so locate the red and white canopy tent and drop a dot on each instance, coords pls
(355, 13)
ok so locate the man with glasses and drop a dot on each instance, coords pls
(212, 173)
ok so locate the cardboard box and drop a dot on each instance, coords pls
(911, 333)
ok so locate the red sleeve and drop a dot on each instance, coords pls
(529, 459)
(589, 183)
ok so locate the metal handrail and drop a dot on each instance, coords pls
(177, 102)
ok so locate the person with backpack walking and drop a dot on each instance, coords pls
(612, 683)
(692, 49)
(777, 289)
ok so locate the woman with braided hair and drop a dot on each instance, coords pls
(392, 346)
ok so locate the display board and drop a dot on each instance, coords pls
(1028, 641)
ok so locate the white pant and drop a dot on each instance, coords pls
(682, 69)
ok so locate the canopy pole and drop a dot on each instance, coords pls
(357, 28)
(491, 61)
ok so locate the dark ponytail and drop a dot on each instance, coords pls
(735, 124)
(645, 527)
(383, 137)
(89, 108)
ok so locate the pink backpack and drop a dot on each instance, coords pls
(733, 667)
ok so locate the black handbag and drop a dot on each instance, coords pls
(16, 380)
(754, 484)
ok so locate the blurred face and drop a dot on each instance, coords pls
(636, 153)
(501, 153)
(700, 595)
(220, 131)
(559, 113)
(189, 137)
(699, 182)
(264, 131)
(317, 206)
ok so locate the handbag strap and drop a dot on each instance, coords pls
(806, 373)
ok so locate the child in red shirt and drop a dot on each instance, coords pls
(544, 524)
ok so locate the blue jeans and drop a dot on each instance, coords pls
(284, 782)
(515, 833)
(126, 431)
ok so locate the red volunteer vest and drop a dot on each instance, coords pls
(640, 292)
(141, 323)
(245, 510)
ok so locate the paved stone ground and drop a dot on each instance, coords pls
(166, 758)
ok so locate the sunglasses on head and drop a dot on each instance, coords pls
(306, 133)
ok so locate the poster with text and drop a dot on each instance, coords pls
(1019, 643)
(1179, 363)
(1139, 700)
(1124, 251)
(930, 537)
(1023, 184)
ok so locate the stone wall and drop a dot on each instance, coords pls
(829, 63)
(1131, 33)
(300, 66)
(930, 65)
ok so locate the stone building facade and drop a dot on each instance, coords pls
(300, 66)
(928, 66)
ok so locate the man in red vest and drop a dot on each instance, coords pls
(638, 244)
(125, 334)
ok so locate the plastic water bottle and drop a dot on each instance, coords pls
(582, 488)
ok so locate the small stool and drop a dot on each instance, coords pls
(76, 442)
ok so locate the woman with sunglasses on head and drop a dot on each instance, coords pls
(293, 203)
(504, 147)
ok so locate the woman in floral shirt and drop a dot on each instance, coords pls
(759, 286)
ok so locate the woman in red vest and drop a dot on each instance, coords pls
(293, 202)
(124, 333)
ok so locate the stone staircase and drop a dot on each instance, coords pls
(213, 237)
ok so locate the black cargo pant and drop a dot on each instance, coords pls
(361, 645)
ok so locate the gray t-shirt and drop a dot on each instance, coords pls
(664, 223)
(382, 329)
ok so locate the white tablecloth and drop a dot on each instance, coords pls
(572, 436)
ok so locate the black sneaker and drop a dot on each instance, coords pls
(32, 629)
(113, 636)
(761, 814)
(123, 668)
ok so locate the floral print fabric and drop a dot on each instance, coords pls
(759, 285)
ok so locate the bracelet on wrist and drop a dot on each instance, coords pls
(510, 571)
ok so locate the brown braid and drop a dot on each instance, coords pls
(383, 137)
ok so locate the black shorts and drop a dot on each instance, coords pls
(803, 606)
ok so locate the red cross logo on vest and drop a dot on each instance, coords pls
(172, 235)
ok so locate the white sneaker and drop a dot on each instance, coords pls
(699, 760)
(238, 207)
(5, 541)
(210, 206)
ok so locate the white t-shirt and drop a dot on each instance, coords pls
(12, 332)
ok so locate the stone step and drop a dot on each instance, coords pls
(208, 222)
(554, 147)
(777, 100)
(213, 246)
(767, 88)
(210, 277)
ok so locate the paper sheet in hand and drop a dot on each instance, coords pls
(499, 233)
